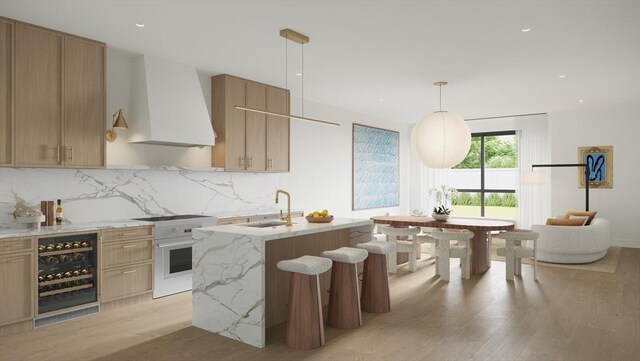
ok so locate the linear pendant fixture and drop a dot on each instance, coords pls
(291, 35)
(286, 115)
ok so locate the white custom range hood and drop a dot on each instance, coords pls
(167, 105)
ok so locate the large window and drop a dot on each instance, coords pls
(486, 179)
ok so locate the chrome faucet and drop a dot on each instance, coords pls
(288, 217)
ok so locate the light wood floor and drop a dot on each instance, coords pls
(567, 315)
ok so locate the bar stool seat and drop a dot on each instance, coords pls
(344, 294)
(306, 265)
(305, 326)
(375, 277)
(346, 255)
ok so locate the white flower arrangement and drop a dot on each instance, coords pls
(442, 195)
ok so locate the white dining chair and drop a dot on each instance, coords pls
(445, 251)
(514, 251)
(408, 243)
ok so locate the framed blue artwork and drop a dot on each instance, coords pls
(376, 168)
(599, 161)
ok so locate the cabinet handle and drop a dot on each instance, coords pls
(128, 234)
(14, 260)
(130, 246)
(129, 272)
(57, 156)
(71, 150)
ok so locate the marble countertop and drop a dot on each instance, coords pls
(300, 227)
(68, 228)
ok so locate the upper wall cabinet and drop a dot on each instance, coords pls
(248, 141)
(7, 29)
(57, 95)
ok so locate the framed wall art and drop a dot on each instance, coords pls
(376, 168)
(599, 160)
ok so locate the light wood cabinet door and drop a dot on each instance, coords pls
(277, 131)
(16, 288)
(84, 103)
(125, 282)
(6, 92)
(38, 97)
(235, 124)
(256, 127)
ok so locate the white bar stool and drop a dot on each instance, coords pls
(305, 326)
(344, 294)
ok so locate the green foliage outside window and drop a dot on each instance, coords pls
(499, 153)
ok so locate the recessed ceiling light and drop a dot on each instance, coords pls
(581, 101)
(562, 76)
(381, 100)
(140, 25)
(526, 30)
(299, 74)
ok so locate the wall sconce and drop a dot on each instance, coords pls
(118, 123)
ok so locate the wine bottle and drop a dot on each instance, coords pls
(42, 248)
(76, 244)
(84, 271)
(49, 277)
(41, 279)
(59, 213)
(52, 260)
(42, 262)
(79, 257)
(68, 245)
(66, 258)
(85, 244)
(68, 274)
(59, 246)
(50, 247)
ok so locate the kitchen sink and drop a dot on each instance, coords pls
(266, 224)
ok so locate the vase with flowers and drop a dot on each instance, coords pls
(442, 196)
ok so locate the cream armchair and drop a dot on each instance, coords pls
(567, 244)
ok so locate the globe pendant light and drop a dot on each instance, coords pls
(441, 139)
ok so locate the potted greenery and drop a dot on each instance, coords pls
(441, 213)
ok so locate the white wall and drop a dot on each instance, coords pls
(618, 126)
(321, 168)
(320, 174)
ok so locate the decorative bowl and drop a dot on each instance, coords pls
(319, 219)
(440, 217)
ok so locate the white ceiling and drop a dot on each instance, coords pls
(361, 51)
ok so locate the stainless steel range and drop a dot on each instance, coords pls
(172, 251)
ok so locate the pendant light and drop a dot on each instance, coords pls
(441, 139)
(291, 35)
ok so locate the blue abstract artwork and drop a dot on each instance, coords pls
(599, 161)
(376, 167)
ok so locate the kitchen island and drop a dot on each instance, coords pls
(238, 292)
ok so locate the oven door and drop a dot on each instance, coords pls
(173, 261)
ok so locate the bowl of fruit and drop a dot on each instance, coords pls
(322, 216)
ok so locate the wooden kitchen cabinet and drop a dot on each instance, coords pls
(17, 280)
(248, 141)
(277, 130)
(126, 263)
(7, 29)
(84, 103)
(55, 84)
(38, 96)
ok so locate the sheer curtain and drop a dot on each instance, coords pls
(534, 203)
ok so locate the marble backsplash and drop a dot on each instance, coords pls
(111, 194)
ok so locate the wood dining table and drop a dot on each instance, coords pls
(481, 229)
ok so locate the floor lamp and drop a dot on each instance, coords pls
(534, 179)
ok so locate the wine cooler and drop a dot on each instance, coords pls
(67, 273)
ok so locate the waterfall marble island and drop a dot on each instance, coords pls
(238, 292)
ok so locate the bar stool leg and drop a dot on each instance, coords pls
(344, 297)
(375, 284)
(305, 329)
